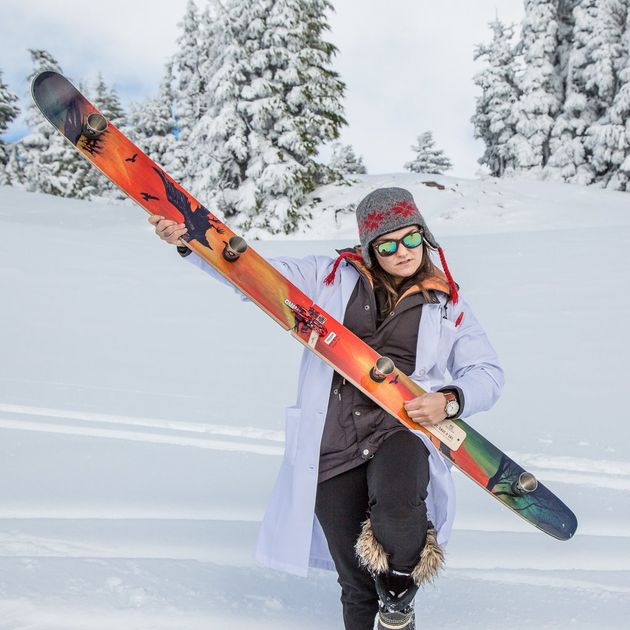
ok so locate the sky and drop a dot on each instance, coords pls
(407, 64)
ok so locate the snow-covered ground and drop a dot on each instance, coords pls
(141, 416)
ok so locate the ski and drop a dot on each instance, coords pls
(157, 193)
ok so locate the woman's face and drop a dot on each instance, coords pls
(405, 262)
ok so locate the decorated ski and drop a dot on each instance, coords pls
(157, 193)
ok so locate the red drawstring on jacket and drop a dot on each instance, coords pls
(447, 273)
(330, 278)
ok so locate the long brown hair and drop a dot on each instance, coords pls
(386, 281)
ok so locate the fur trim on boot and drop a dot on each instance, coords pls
(431, 560)
(373, 557)
(369, 551)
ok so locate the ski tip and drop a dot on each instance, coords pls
(39, 78)
(45, 78)
(568, 527)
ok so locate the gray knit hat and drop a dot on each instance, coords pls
(387, 210)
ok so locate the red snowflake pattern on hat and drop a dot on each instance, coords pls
(372, 220)
(404, 208)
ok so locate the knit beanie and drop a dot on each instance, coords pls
(387, 210)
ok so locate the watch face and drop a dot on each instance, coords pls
(452, 408)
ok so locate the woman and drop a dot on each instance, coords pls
(355, 485)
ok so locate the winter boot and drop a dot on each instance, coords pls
(396, 591)
(403, 620)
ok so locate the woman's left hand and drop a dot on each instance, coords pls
(428, 409)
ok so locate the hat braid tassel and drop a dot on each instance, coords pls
(449, 277)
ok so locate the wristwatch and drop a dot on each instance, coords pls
(452, 406)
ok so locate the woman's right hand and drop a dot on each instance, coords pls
(169, 231)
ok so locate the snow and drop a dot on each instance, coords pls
(141, 411)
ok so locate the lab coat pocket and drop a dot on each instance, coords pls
(293, 416)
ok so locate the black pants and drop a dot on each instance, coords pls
(391, 489)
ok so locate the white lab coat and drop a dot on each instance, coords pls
(291, 538)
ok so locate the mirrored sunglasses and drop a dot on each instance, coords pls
(390, 247)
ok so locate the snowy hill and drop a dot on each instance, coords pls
(456, 206)
(135, 465)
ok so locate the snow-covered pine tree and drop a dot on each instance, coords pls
(344, 160)
(592, 78)
(275, 98)
(107, 101)
(207, 52)
(43, 160)
(566, 24)
(194, 152)
(189, 95)
(219, 140)
(315, 96)
(568, 159)
(606, 48)
(493, 120)
(29, 149)
(153, 124)
(608, 139)
(89, 181)
(428, 158)
(14, 168)
(8, 113)
(540, 86)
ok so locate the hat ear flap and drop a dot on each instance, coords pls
(429, 239)
(367, 255)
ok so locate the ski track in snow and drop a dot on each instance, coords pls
(535, 579)
(610, 474)
(613, 475)
(252, 440)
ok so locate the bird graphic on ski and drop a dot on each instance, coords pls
(198, 221)
(157, 193)
(90, 136)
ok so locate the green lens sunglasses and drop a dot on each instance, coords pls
(389, 248)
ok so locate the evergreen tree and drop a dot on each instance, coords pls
(275, 98)
(606, 48)
(608, 139)
(344, 160)
(592, 77)
(89, 181)
(571, 116)
(568, 159)
(214, 36)
(43, 161)
(14, 168)
(28, 151)
(8, 113)
(540, 86)
(107, 101)
(207, 53)
(428, 158)
(493, 120)
(566, 26)
(153, 124)
(189, 93)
